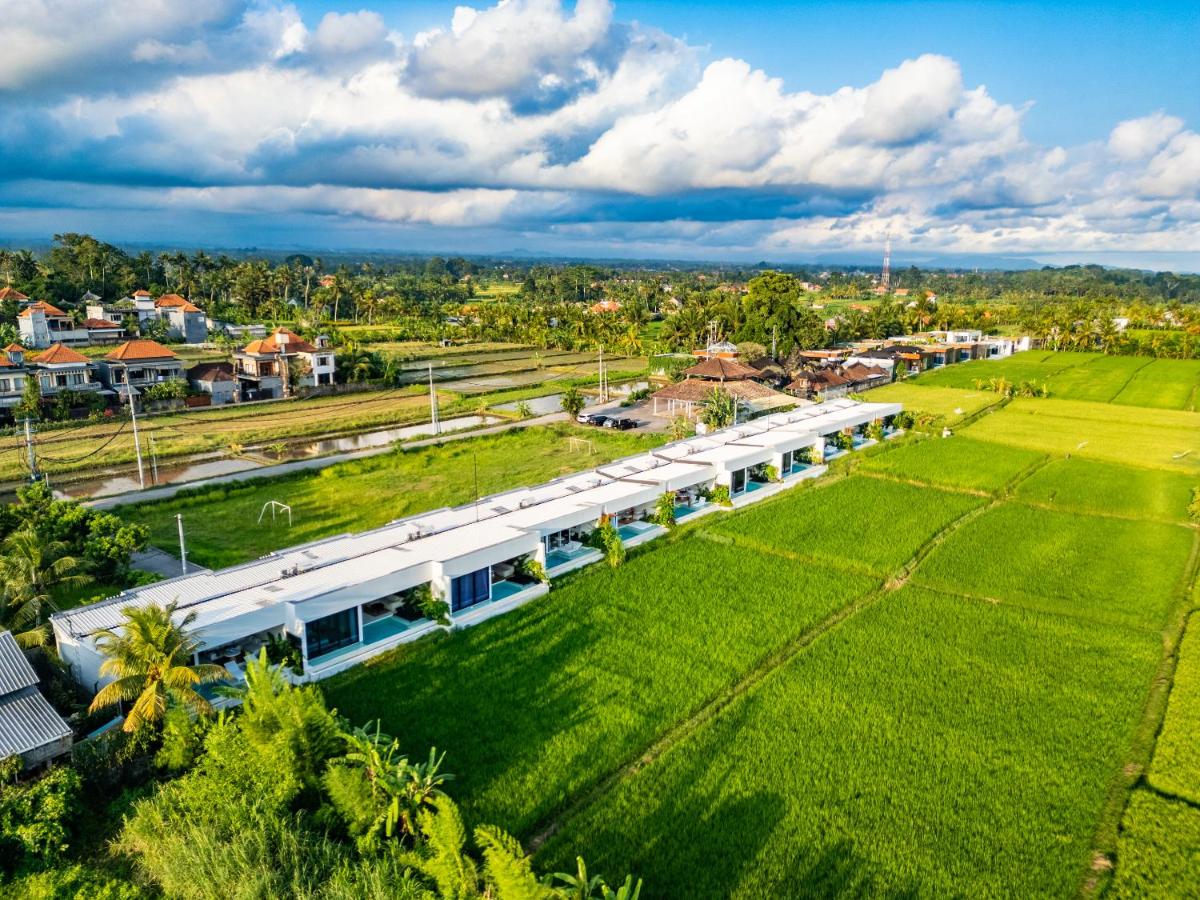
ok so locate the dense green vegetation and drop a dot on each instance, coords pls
(1156, 854)
(1099, 488)
(1176, 766)
(370, 492)
(857, 771)
(959, 463)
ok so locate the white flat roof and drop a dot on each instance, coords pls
(780, 440)
(555, 515)
(730, 457)
(669, 476)
(619, 495)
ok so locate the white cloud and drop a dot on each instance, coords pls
(1139, 138)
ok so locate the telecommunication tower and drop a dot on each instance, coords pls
(885, 280)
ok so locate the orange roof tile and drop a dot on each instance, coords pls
(100, 323)
(174, 301)
(131, 351)
(15, 348)
(141, 293)
(45, 307)
(11, 293)
(271, 345)
(58, 355)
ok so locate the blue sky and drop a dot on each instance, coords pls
(750, 130)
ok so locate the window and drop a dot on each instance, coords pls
(4, 385)
(467, 590)
(331, 633)
(738, 482)
(787, 463)
(76, 378)
(60, 380)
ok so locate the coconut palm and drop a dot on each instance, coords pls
(572, 402)
(149, 656)
(718, 409)
(30, 568)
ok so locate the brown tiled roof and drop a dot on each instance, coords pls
(859, 372)
(723, 369)
(271, 345)
(45, 307)
(100, 323)
(15, 348)
(141, 293)
(131, 351)
(174, 301)
(213, 371)
(11, 293)
(818, 381)
(695, 390)
(59, 355)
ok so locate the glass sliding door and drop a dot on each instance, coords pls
(738, 482)
(331, 633)
(787, 463)
(467, 590)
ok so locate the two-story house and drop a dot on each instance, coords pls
(138, 364)
(185, 320)
(12, 378)
(61, 369)
(276, 365)
(42, 324)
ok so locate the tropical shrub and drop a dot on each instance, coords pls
(182, 739)
(875, 431)
(718, 409)
(770, 473)
(843, 440)
(572, 402)
(531, 569)
(664, 509)
(607, 539)
(282, 652)
(36, 818)
(719, 494)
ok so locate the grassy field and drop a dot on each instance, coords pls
(1157, 852)
(858, 772)
(959, 463)
(1151, 438)
(1127, 380)
(1099, 488)
(1176, 766)
(950, 405)
(371, 492)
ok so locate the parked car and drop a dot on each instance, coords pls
(595, 419)
(621, 424)
(583, 418)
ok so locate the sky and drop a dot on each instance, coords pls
(1055, 131)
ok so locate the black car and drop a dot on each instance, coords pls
(621, 424)
(596, 419)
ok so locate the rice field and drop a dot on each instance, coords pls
(959, 462)
(1105, 570)
(858, 771)
(536, 706)
(1176, 766)
(1165, 439)
(1100, 488)
(949, 405)
(855, 522)
(1158, 852)
(1163, 384)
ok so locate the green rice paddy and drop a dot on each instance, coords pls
(1098, 488)
(957, 463)
(1158, 853)
(1176, 766)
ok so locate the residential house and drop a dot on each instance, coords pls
(185, 321)
(103, 331)
(825, 383)
(42, 324)
(138, 364)
(215, 379)
(13, 373)
(344, 599)
(10, 294)
(719, 371)
(60, 368)
(276, 366)
(29, 726)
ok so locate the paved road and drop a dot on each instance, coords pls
(167, 491)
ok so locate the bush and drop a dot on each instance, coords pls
(664, 510)
(719, 494)
(36, 819)
(607, 539)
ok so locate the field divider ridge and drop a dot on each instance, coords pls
(1132, 774)
(752, 678)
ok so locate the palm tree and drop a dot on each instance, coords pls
(572, 402)
(718, 409)
(30, 568)
(149, 657)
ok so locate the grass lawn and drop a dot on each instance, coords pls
(1158, 852)
(1088, 486)
(1106, 570)
(860, 522)
(1176, 766)
(950, 404)
(371, 492)
(1164, 439)
(536, 706)
(855, 771)
(955, 463)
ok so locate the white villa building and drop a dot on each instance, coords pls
(345, 599)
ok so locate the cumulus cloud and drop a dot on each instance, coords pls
(553, 121)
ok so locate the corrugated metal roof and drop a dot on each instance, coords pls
(15, 671)
(28, 721)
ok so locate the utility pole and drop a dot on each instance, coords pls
(601, 385)
(182, 546)
(33, 476)
(433, 404)
(153, 459)
(137, 444)
(774, 334)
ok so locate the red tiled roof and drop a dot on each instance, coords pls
(141, 293)
(11, 293)
(131, 351)
(44, 307)
(174, 301)
(695, 390)
(99, 323)
(272, 345)
(58, 355)
(15, 348)
(214, 371)
(724, 369)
